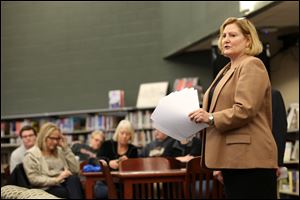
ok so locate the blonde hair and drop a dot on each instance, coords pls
(124, 124)
(98, 132)
(44, 132)
(248, 30)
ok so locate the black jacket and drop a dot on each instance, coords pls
(279, 128)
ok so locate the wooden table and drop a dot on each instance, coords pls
(128, 179)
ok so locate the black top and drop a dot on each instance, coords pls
(109, 150)
(192, 148)
(279, 124)
(158, 148)
(212, 90)
(83, 151)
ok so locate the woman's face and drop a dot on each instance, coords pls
(233, 41)
(124, 136)
(52, 141)
(96, 141)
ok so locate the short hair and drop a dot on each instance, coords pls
(27, 128)
(248, 30)
(124, 124)
(44, 132)
(98, 132)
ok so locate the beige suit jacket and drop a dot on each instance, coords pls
(242, 109)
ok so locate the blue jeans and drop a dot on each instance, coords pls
(100, 190)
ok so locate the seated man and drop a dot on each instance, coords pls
(159, 147)
(28, 136)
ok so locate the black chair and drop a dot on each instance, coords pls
(18, 177)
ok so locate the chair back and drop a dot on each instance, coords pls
(82, 163)
(200, 182)
(149, 189)
(145, 164)
(18, 177)
(112, 191)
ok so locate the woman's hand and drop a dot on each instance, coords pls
(185, 159)
(199, 116)
(63, 142)
(114, 164)
(218, 175)
(63, 175)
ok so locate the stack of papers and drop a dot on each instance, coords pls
(171, 114)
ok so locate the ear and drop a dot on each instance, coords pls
(248, 42)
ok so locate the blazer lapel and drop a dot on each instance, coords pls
(205, 97)
(219, 88)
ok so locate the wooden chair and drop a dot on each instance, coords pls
(167, 190)
(148, 164)
(200, 182)
(112, 192)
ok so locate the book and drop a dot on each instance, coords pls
(288, 151)
(293, 117)
(187, 82)
(150, 94)
(295, 151)
(116, 98)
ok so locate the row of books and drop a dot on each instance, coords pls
(291, 183)
(141, 138)
(139, 119)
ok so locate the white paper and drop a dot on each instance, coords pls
(171, 114)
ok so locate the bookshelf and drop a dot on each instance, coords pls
(77, 125)
(289, 187)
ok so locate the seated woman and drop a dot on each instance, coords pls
(119, 148)
(87, 151)
(51, 165)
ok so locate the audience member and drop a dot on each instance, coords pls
(184, 151)
(161, 146)
(120, 147)
(51, 165)
(28, 136)
(87, 151)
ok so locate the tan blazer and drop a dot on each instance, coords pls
(242, 108)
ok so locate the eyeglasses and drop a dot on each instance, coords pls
(54, 138)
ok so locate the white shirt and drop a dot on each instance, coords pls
(17, 157)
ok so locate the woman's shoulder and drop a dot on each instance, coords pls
(252, 60)
(34, 151)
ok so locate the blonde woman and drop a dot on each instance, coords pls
(87, 151)
(120, 147)
(51, 165)
(238, 109)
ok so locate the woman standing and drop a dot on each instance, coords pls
(238, 108)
